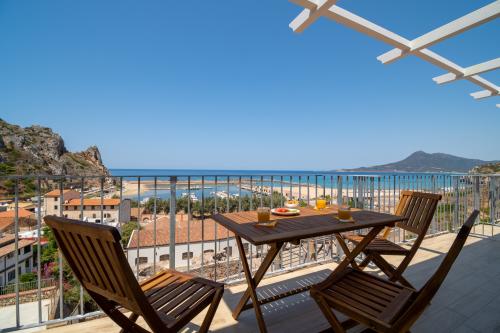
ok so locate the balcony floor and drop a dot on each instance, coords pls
(468, 301)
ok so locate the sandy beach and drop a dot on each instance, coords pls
(303, 192)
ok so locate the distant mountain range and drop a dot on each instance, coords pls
(424, 162)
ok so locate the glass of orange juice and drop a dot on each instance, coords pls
(320, 203)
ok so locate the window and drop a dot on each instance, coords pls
(55, 199)
(94, 216)
(112, 207)
(27, 249)
(10, 255)
(11, 275)
(142, 260)
(164, 257)
(185, 255)
(92, 207)
(27, 264)
(229, 250)
(55, 207)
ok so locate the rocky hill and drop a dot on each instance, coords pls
(486, 168)
(424, 162)
(37, 150)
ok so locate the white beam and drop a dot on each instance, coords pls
(469, 21)
(403, 45)
(483, 94)
(314, 9)
(353, 21)
(469, 71)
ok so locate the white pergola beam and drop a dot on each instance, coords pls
(312, 11)
(484, 67)
(483, 94)
(469, 21)
(401, 44)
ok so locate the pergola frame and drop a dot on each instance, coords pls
(313, 9)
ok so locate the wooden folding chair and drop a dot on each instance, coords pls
(166, 301)
(382, 305)
(419, 208)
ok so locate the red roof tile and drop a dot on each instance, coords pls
(146, 237)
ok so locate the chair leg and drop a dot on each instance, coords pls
(365, 262)
(133, 318)
(328, 313)
(390, 271)
(211, 312)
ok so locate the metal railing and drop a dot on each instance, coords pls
(167, 219)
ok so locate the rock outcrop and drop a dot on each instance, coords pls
(37, 150)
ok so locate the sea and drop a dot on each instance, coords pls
(216, 181)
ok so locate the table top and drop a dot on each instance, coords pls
(310, 223)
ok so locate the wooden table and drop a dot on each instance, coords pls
(310, 223)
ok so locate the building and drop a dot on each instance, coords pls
(52, 200)
(191, 243)
(8, 257)
(113, 210)
(27, 205)
(26, 218)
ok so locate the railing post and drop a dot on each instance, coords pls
(457, 204)
(339, 191)
(340, 252)
(372, 193)
(492, 197)
(434, 228)
(173, 204)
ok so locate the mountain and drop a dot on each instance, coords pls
(424, 162)
(38, 150)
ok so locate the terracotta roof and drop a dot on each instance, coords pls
(22, 213)
(4, 250)
(57, 193)
(6, 223)
(93, 202)
(181, 233)
(134, 211)
(6, 238)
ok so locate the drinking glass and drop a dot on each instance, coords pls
(321, 203)
(263, 214)
(344, 213)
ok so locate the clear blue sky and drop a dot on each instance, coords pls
(226, 84)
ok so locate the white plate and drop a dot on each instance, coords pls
(291, 212)
(347, 221)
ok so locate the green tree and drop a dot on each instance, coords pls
(127, 230)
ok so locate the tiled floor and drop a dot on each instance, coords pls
(468, 301)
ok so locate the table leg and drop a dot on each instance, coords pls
(346, 250)
(253, 282)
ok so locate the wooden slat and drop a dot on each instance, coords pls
(190, 301)
(310, 223)
(94, 253)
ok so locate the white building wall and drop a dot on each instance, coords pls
(182, 261)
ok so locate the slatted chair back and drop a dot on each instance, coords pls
(94, 253)
(427, 292)
(419, 208)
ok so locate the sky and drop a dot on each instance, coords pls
(227, 85)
